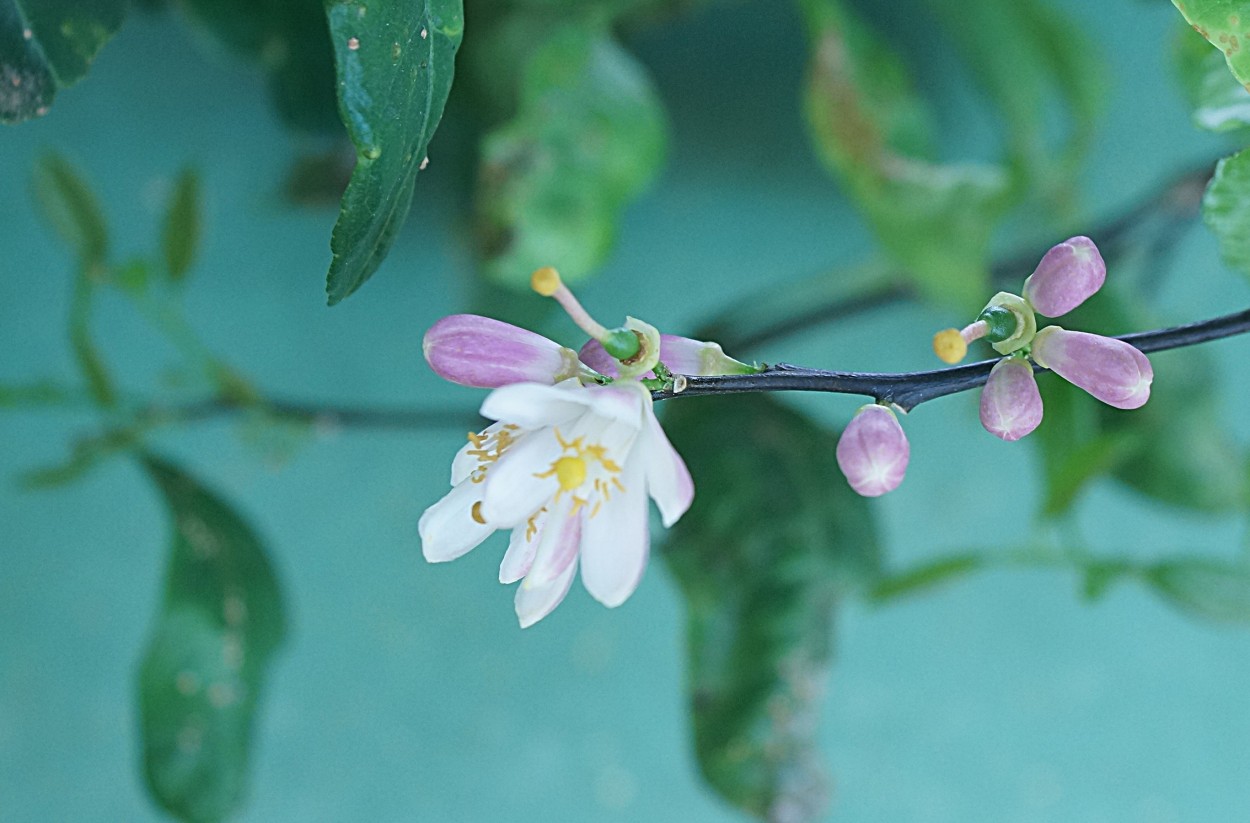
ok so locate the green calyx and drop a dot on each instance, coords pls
(1012, 314)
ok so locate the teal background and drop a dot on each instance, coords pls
(406, 691)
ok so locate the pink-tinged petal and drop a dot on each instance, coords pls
(534, 602)
(533, 406)
(486, 353)
(522, 546)
(1011, 405)
(1111, 370)
(873, 451)
(616, 542)
(448, 529)
(681, 355)
(513, 489)
(1067, 275)
(558, 544)
(668, 479)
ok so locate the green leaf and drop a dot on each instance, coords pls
(587, 138)
(1226, 209)
(1206, 588)
(47, 45)
(180, 234)
(1032, 62)
(1226, 24)
(775, 537)
(68, 206)
(395, 62)
(1219, 102)
(927, 576)
(290, 40)
(202, 675)
(872, 131)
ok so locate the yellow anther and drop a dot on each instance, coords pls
(476, 513)
(949, 346)
(545, 281)
(570, 472)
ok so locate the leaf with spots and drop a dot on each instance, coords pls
(1219, 102)
(47, 45)
(202, 675)
(873, 132)
(587, 138)
(775, 537)
(1226, 25)
(290, 41)
(395, 60)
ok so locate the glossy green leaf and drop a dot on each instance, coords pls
(587, 138)
(872, 131)
(395, 61)
(69, 207)
(1226, 209)
(1209, 589)
(290, 41)
(180, 234)
(775, 537)
(46, 45)
(1226, 24)
(1219, 102)
(202, 675)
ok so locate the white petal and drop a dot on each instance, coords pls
(557, 547)
(464, 463)
(668, 479)
(534, 405)
(615, 542)
(533, 603)
(620, 402)
(513, 489)
(520, 554)
(448, 528)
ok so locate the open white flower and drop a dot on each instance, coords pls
(568, 468)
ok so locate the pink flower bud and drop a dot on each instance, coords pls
(1067, 275)
(1111, 370)
(478, 351)
(873, 451)
(680, 354)
(1011, 406)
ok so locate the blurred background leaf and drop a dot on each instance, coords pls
(873, 132)
(1220, 103)
(774, 539)
(47, 45)
(1224, 24)
(587, 137)
(180, 233)
(1226, 209)
(395, 66)
(202, 675)
(290, 40)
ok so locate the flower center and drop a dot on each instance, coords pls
(584, 467)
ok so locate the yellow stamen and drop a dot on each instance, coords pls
(545, 281)
(949, 346)
(476, 513)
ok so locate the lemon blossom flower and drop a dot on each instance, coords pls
(1109, 369)
(873, 451)
(568, 468)
(571, 459)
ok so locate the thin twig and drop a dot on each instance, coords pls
(909, 389)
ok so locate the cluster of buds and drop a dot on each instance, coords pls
(1109, 369)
